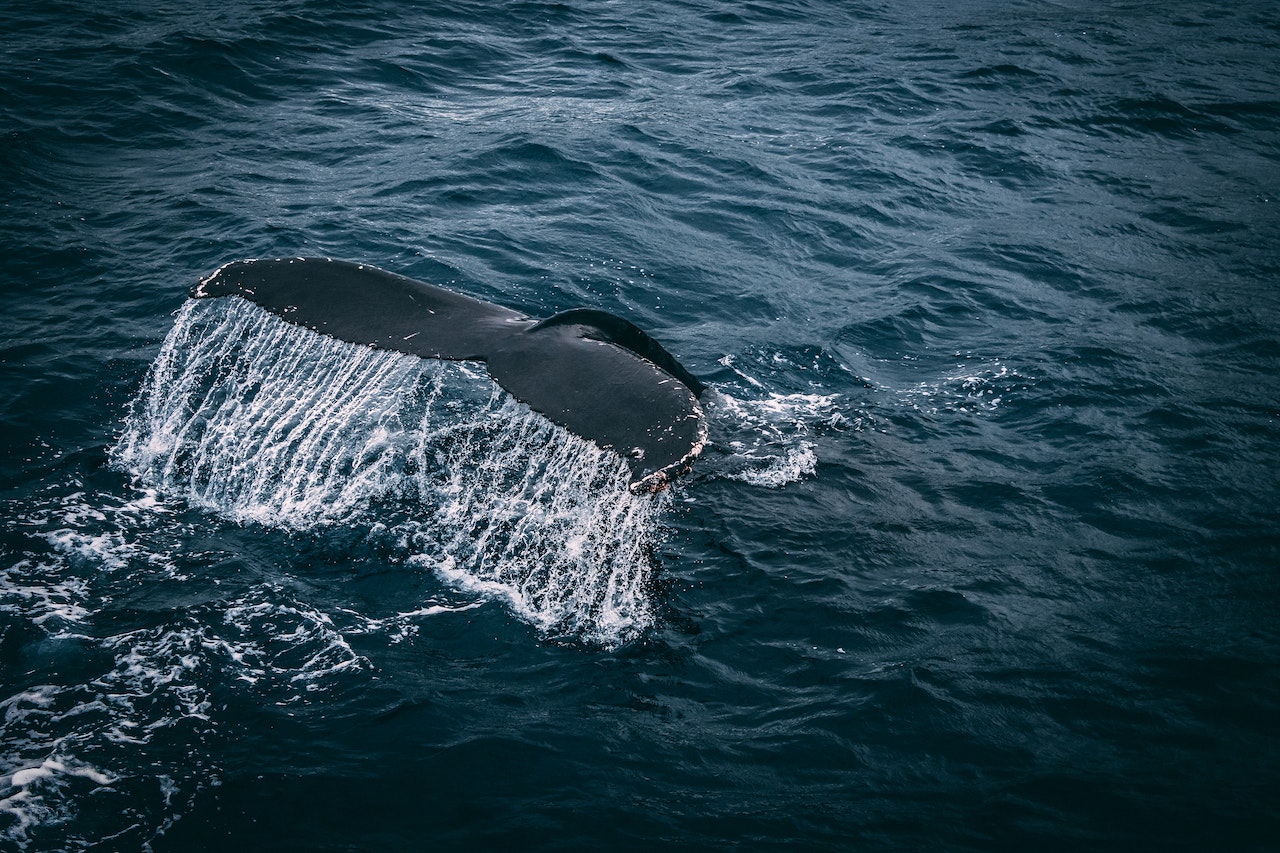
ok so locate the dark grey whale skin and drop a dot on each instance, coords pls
(595, 374)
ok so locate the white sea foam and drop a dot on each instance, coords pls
(767, 441)
(45, 776)
(144, 683)
(157, 680)
(34, 794)
(774, 471)
(969, 388)
(36, 590)
(277, 641)
(406, 624)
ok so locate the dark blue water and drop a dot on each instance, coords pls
(983, 554)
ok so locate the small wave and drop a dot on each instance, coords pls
(283, 642)
(40, 591)
(153, 688)
(61, 739)
(767, 441)
(34, 794)
(792, 465)
(969, 388)
(405, 624)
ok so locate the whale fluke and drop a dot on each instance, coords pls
(595, 374)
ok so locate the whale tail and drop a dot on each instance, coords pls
(595, 374)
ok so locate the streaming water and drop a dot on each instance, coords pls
(264, 422)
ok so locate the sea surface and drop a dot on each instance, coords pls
(983, 554)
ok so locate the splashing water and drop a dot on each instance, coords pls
(555, 532)
(264, 422)
(767, 440)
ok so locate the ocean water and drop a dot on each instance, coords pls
(984, 551)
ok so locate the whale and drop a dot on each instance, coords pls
(595, 374)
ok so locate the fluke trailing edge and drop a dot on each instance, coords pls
(594, 374)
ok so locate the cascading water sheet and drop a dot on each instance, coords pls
(260, 421)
